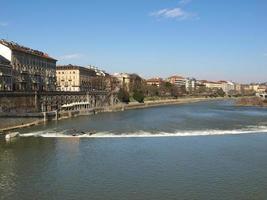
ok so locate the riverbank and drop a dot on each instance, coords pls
(147, 104)
(251, 101)
(23, 123)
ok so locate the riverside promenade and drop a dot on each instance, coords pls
(17, 123)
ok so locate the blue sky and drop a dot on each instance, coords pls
(206, 39)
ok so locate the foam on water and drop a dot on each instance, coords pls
(62, 134)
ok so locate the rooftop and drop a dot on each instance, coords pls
(211, 82)
(76, 67)
(176, 77)
(154, 80)
(72, 67)
(15, 46)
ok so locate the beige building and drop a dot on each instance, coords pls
(154, 81)
(257, 88)
(75, 78)
(189, 84)
(177, 80)
(123, 80)
(32, 70)
(238, 87)
(227, 86)
(212, 84)
(262, 89)
(128, 82)
(246, 89)
(254, 87)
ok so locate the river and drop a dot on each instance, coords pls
(205, 150)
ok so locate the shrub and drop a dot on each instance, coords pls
(123, 96)
(138, 95)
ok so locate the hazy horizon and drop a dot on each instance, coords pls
(154, 38)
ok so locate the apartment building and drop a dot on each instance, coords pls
(75, 78)
(154, 81)
(32, 70)
(5, 75)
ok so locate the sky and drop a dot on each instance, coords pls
(205, 39)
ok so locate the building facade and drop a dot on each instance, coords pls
(76, 78)
(227, 86)
(32, 70)
(128, 82)
(123, 80)
(99, 72)
(5, 75)
(190, 84)
(238, 88)
(262, 89)
(155, 81)
(259, 88)
(177, 80)
(212, 84)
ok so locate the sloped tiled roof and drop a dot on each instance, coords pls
(17, 47)
(154, 80)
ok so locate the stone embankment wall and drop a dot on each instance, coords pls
(118, 107)
(17, 103)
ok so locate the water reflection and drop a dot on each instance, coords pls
(8, 171)
(209, 167)
(68, 146)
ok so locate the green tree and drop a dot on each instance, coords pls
(220, 92)
(123, 96)
(138, 95)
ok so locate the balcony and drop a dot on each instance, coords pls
(24, 72)
(21, 80)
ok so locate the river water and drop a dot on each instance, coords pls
(206, 150)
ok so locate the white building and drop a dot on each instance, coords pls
(227, 86)
(98, 71)
(262, 95)
(177, 80)
(190, 84)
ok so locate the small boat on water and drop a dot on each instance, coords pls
(11, 135)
